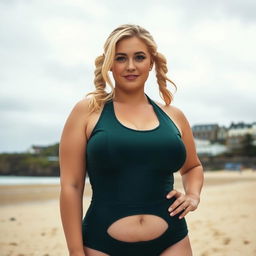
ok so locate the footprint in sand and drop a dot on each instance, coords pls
(226, 240)
(13, 243)
(216, 249)
(217, 233)
(54, 231)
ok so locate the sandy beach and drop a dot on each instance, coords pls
(223, 225)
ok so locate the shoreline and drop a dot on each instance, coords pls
(29, 193)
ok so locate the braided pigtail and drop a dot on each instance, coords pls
(161, 70)
(99, 95)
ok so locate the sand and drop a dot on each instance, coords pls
(223, 224)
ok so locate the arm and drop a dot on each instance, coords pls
(191, 171)
(72, 175)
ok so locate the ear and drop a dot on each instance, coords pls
(151, 66)
(151, 63)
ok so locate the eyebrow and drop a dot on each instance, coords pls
(121, 53)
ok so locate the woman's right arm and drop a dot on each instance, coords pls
(72, 176)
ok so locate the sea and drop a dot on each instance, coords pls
(29, 180)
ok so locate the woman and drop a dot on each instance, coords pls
(130, 146)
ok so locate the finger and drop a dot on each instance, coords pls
(176, 203)
(186, 211)
(171, 193)
(178, 209)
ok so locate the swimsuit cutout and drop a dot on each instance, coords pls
(131, 172)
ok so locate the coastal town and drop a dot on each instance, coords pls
(213, 139)
(218, 147)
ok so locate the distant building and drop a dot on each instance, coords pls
(206, 148)
(35, 149)
(53, 158)
(240, 129)
(254, 133)
(222, 134)
(206, 132)
(237, 132)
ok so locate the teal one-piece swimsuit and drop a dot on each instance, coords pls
(131, 172)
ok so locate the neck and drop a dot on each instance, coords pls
(130, 98)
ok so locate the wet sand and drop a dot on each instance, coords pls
(223, 225)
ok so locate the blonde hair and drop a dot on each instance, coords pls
(104, 63)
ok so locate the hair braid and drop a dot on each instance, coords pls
(161, 70)
(99, 94)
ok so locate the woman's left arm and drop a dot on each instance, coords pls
(191, 171)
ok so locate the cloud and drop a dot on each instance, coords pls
(48, 49)
(195, 10)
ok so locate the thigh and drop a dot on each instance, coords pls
(91, 252)
(181, 248)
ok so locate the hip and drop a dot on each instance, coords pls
(106, 213)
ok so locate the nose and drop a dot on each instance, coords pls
(130, 65)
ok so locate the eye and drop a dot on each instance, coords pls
(140, 57)
(120, 58)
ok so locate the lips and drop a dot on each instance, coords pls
(131, 77)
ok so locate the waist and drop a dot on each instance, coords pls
(134, 203)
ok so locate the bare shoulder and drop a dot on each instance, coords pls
(81, 109)
(82, 106)
(176, 114)
(78, 116)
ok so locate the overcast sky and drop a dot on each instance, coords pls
(48, 48)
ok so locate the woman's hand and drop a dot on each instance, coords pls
(187, 202)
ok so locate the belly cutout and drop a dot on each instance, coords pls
(136, 228)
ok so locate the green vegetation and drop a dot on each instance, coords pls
(248, 149)
(52, 150)
(44, 160)
(43, 163)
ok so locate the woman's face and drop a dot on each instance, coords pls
(131, 64)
